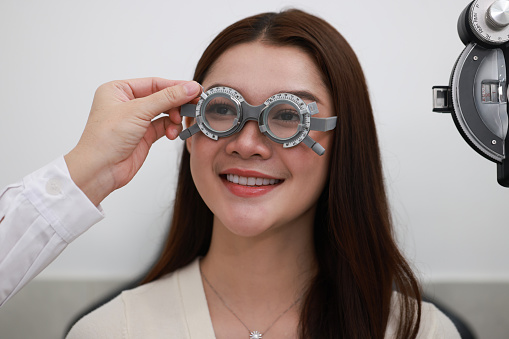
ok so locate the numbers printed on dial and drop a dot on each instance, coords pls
(479, 23)
(286, 96)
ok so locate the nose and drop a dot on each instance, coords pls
(249, 142)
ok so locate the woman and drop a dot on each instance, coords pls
(292, 244)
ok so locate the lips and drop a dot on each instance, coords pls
(247, 184)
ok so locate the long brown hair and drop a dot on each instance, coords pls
(359, 261)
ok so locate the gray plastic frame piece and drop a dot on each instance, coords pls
(316, 147)
(189, 132)
(188, 110)
(323, 124)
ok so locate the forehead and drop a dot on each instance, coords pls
(259, 70)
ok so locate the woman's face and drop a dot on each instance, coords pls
(258, 71)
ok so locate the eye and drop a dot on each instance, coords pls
(221, 108)
(220, 114)
(283, 121)
(286, 115)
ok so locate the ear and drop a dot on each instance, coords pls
(189, 141)
(189, 144)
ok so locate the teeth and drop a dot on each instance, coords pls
(242, 180)
(250, 181)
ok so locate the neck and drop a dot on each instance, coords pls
(261, 278)
(273, 267)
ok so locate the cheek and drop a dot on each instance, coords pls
(205, 153)
(199, 158)
(317, 171)
(309, 170)
(201, 166)
(318, 174)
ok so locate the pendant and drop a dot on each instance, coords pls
(255, 335)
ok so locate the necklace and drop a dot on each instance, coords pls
(252, 334)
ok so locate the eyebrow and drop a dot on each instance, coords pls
(303, 94)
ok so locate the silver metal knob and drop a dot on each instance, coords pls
(497, 15)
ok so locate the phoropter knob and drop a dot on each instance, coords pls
(497, 15)
(485, 22)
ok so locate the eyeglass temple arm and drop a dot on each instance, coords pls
(319, 124)
(323, 124)
(188, 110)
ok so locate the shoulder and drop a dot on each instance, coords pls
(434, 323)
(156, 306)
(107, 321)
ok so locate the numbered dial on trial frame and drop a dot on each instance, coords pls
(489, 20)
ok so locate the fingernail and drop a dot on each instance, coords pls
(191, 87)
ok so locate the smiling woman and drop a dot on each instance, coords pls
(275, 241)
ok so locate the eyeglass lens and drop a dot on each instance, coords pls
(220, 114)
(283, 120)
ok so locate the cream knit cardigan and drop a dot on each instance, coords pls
(175, 307)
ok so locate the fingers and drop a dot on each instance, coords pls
(174, 115)
(194, 101)
(163, 126)
(146, 86)
(173, 131)
(168, 98)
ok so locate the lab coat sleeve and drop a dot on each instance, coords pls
(39, 217)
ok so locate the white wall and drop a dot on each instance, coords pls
(449, 210)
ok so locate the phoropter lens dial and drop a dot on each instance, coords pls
(485, 21)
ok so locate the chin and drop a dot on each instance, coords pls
(246, 228)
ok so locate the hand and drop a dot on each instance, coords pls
(120, 131)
